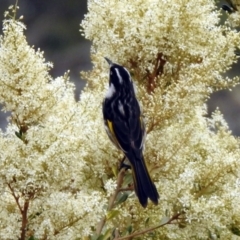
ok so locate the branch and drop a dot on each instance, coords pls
(112, 200)
(24, 220)
(56, 232)
(15, 197)
(23, 211)
(158, 70)
(175, 217)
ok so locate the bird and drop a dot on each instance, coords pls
(125, 127)
(232, 7)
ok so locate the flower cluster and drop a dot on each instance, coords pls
(59, 174)
(233, 11)
(177, 54)
(49, 186)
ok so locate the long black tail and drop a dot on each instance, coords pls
(143, 184)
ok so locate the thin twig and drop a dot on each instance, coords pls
(175, 217)
(56, 232)
(112, 200)
(15, 9)
(15, 197)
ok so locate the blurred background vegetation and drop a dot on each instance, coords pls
(53, 26)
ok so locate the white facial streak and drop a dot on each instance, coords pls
(111, 91)
(129, 76)
(119, 76)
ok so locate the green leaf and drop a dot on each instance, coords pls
(115, 171)
(100, 237)
(123, 197)
(129, 229)
(19, 135)
(167, 213)
(112, 214)
(127, 179)
(235, 230)
(96, 236)
(147, 221)
(164, 220)
(107, 234)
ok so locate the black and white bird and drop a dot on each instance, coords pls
(125, 128)
(233, 6)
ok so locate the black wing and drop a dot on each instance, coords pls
(127, 125)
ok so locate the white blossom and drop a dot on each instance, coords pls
(58, 168)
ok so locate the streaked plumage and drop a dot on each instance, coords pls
(126, 129)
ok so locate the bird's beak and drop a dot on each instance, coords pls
(109, 61)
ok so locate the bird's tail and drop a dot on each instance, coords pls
(143, 184)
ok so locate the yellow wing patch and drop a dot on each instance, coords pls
(110, 133)
(110, 127)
